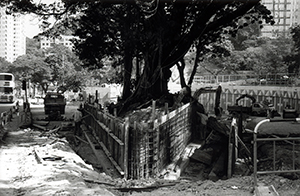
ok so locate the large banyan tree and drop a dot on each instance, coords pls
(148, 37)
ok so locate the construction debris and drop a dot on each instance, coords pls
(202, 156)
(155, 185)
(99, 182)
(40, 127)
(49, 133)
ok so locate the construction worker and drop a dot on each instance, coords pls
(77, 119)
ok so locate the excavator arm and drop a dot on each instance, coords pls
(243, 96)
(217, 90)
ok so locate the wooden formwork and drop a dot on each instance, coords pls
(140, 150)
(111, 133)
(156, 144)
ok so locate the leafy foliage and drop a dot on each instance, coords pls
(159, 33)
(293, 60)
(261, 55)
(57, 65)
(4, 65)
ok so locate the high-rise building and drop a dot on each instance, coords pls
(62, 39)
(12, 38)
(286, 14)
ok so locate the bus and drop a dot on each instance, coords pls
(7, 88)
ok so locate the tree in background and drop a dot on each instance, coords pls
(159, 33)
(31, 67)
(293, 60)
(260, 55)
(65, 68)
(56, 65)
(4, 65)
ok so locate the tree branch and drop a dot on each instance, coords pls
(203, 26)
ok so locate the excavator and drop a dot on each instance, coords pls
(218, 91)
(186, 93)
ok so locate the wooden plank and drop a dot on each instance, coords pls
(143, 188)
(126, 144)
(37, 157)
(202, 156)
(96, 153)
(105, 150)
(98, 182)
(81, 139)
(229, 169)
(54, 130)
(39, 126)
(116, 139)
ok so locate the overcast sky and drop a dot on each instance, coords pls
(31, 26)
(31, 21)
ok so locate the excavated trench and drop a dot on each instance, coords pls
(213, 157)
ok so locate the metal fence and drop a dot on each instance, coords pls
(279, 79)
(279, 97)
(290, 140)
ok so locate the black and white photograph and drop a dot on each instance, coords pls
(149, 97)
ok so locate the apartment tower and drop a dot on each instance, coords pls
(286, 14)
(12, 38)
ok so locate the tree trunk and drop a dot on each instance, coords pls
(128, 48)
(127, 75)
(153, 84)
(181, 72)
(196, 64)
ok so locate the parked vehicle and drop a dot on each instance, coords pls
(289, 112)
(7, 88)
(54, 102)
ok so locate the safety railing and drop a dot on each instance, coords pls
(256, 140)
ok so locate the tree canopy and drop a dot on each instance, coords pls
(156, 33)
(56, 65)
(293, 60)
(261, 55)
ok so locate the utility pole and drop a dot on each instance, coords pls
(63, 69)
(24, 87)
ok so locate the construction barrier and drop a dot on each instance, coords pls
(279, 97)
(289, 140)
(111, 133)
(140, 150)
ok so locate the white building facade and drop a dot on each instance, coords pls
(286, 14)
(63, 40)
(12, 38)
